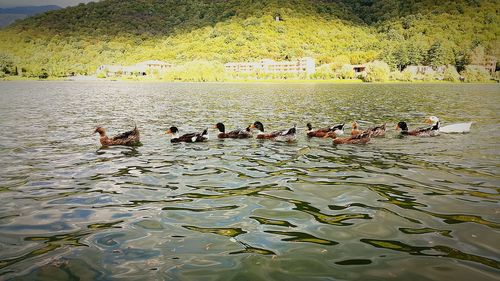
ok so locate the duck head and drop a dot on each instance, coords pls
(100, 130)
(434, 121)
(402, 126)
(173, 131)
(309, 127)
(220, 127)
(257, 125)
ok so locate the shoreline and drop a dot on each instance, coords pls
(231, 81)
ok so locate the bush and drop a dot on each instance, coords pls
(377, 71)
(197, 71)
(6, 64)
(323, 71)
(475, 73)
(101, 74)
(347, 72)
(451, 74)
(406, 75)
(339, 62)
(430, 75)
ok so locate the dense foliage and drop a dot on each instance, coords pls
(78, 39)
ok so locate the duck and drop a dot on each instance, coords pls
(377, 131)
(355, 131)
(236, 134)
(330, 132)
(283, 135)
(129, 138)
(191, 137)
(338, 129)
(319, 133)
(356, 139)
(431, 131)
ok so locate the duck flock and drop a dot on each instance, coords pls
(357, 136)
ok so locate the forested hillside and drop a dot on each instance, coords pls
(400, 32)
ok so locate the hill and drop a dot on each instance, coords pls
(9, 15)
(78, 39)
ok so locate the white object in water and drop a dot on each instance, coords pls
(456, 128)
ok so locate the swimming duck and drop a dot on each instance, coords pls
(330, 132)
(191, 137)
(236, 134)
(356, 139)
(355, 131)
(127, 138)
(338, 129)
(430, 131)
(283, 135)
(377, 131)
(319, 133)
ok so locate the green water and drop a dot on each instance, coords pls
(394, 209)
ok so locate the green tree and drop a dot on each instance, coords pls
(377, 71)
(339, 61)
(439, 55)
(451, 74)
(406, 75)
(6, 63)
(347, 72)
(197, 71)
(475, 73)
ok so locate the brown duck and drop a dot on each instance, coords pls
(377, 131)
(330, 132)
(283, 135)
(127, 138)
(357, 139)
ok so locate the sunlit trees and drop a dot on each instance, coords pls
(377, 71)
(475, 73)
(451, 74)
(400, 33)
(6, 64)
(197, 71)
(347, 72)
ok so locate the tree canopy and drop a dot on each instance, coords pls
(398, 32)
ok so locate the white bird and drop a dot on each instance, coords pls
(456, 128)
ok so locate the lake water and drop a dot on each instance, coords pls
(394, 209)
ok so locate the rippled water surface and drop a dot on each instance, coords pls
(394, 209)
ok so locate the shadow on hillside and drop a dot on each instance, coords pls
(153, 18)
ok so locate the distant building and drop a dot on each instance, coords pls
(490, 63)
(242, 66)
(359, 69)
(140, 69)
(302, 65)
(424, 69)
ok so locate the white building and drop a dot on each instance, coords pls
(423, 69)
(140, 69)
(302, 65)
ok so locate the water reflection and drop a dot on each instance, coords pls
(71, 209)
